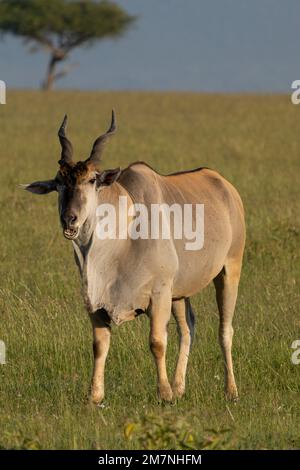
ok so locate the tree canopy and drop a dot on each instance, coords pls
(61, 25)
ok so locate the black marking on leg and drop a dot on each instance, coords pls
(190, 318)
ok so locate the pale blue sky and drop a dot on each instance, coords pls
(200, 45)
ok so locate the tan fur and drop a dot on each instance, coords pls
(148, 274)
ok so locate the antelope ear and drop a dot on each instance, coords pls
(41, 187)
(108, 177)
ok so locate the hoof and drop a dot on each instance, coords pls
(178, 390)
(96, 398)
(165, 393)
(95, 401)
(232, 395)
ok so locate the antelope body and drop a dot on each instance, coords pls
(122, 278)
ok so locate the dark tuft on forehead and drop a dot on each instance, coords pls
(76, 173)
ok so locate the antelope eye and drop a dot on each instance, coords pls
(92, 181)
(60, 183)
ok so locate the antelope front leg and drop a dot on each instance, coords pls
(159, 317)
(101, 334)
(184, 316)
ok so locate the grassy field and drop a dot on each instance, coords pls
(254, 141)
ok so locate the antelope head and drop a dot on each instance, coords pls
(77, 184)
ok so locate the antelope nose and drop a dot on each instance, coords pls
(70, 218)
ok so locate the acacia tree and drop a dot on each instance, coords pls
(59, 26)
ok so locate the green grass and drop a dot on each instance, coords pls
(254, 141)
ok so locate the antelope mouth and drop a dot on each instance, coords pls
(71, 233)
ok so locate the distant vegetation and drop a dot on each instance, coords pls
(59, 26)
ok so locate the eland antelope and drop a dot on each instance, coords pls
(124, 277)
